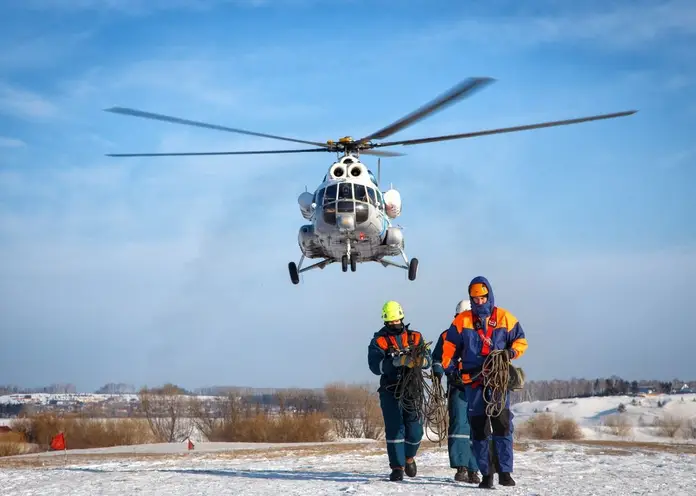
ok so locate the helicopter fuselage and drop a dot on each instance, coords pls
(349, 214)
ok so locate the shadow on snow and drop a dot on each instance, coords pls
(291, 475)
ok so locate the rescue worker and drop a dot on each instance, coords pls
(403, 429)
(472, 335)
(459, 448)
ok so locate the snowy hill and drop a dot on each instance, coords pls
(643, 414)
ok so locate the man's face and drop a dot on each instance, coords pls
(393, 322)
(480, 300)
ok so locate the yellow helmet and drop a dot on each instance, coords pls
(392, 311)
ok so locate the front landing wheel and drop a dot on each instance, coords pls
(412, 269)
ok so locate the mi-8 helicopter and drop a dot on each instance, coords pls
(349, 216)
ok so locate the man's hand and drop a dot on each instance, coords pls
(402, 361)
(438, 371)
(409, 361)
(511, 353)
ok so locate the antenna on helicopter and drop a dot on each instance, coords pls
(379, 171)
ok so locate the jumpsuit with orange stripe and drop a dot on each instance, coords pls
(459, 446)
(472, 340)
(403, 429)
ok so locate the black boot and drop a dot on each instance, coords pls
(487, 482)
(411, 468)
(461, 475)
(505, 479)
(473, 476)
(397, 474)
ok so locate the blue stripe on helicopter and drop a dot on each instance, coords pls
(384, 226)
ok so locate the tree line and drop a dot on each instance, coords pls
(583, 388)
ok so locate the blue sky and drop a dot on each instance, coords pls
(152, 270)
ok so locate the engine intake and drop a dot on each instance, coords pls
(337, 171)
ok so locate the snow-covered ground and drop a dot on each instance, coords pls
(360, 466)
(562, 469)
(46, 398)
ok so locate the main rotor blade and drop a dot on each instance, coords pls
(187, 154)
(381, 153)
(176, 120)
(452, 95)
(506, 129)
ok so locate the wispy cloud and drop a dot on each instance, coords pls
(11, 142)
(23, 103)
(617, 25)
(133, 7)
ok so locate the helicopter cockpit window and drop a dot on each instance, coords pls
(376, 198)
(330, 195)
(362, 211)
(345, 191)
(330, 214)
(360, 193)
(319, 197)
(380, 199)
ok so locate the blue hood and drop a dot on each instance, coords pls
(486, 309)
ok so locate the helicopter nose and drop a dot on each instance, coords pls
(346, 221)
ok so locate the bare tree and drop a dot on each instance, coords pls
(166, 410)
(354, 410)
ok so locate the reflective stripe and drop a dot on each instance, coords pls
(415, 444)
(395, 440)
(381, 365)
(466, 436)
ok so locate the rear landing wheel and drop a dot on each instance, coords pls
(412, 269)
(353, 263)
(294, 275)
(344, 263)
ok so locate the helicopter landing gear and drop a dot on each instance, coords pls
(294, 274)
(297, 269)
(410, 266)
(349, 258)
(412, 269)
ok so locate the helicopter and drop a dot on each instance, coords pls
(349, 217)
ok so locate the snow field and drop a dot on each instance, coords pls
(541, 468)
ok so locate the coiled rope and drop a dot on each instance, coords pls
(416, 396)
(496, 377)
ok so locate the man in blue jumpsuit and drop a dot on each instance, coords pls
(403, 430)
(459, 449)
(471, 337)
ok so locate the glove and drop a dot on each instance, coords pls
(511, 353)
(402, 361)
(438, 371)
(410, 362)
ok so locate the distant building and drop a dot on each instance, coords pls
(646, 390)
